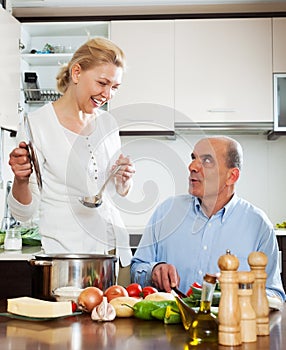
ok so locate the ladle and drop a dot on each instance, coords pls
(96, 201)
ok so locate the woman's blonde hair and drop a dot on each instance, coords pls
(94, 52)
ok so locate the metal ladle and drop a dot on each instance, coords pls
(96, 201)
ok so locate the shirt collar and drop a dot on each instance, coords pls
(224, 212)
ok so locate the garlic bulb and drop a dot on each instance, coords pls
(103, 312)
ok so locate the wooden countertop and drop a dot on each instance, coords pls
(81, 333)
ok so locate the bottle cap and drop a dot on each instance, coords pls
(210, 278)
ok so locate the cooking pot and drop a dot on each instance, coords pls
(73, 270)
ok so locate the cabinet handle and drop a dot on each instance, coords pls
(139, 120)
(221, 110)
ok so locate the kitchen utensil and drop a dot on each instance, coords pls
(96, 201)
(180, 294)
(52, 272)
(32, 152)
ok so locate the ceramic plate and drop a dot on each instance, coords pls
(26, 318)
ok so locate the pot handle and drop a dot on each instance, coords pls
(35, 262)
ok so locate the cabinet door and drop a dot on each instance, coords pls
(279, 45)
(9, 69)
(223, 70)
(149, 79)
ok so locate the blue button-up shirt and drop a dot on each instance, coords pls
(179, 233)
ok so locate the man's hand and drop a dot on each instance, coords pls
(165, 276)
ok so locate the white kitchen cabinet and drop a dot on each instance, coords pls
(279, 45)
(64, 38)
(145, 101)
(223, 70)
(9, 70)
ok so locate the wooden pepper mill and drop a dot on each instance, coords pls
(257, 262)
(229, 310)
(248, 315)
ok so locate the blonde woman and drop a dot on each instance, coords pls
(77, 146)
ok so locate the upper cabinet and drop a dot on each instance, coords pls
(223, 70)
(279, 45)
(45, 48)
(9, 70)
(145, 101)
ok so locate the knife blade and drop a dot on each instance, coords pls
(32, 152)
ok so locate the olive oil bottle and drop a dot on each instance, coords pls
(204, 328)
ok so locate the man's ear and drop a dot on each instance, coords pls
(233, 176)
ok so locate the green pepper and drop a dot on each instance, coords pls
(159, 313)
(143, 309)
(171, 316)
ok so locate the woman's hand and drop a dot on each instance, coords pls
(20, 163)
(123, 177)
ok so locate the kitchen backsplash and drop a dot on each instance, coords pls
(162, 171)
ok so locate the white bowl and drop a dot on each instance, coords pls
(69, 293)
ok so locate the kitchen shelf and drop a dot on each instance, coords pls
(47, 59)
(41, 96)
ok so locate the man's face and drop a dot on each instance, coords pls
(208, 171)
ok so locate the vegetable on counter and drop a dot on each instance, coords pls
(115, 291)
(281, 225)
(134, 290)
(89, 298)
(148, 290)
(103, 312)
(143, 309)
(172, 316)
(124, 306)
(160, 296)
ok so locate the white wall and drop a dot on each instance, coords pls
(161, 171)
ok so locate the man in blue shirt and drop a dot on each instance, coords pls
(188, 233)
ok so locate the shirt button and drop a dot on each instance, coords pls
(209, 225)
(200, 272)
(205, 247)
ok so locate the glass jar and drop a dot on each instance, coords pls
(13, 239)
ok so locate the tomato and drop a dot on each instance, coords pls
(148, 290)
(115, 292)
(134, 290)
(195, 288)
(196, 285)
(74, 306)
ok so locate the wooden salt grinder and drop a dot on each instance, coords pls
(248, 316)
(229, 311)
(257, 262)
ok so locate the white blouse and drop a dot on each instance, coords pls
(73, 166)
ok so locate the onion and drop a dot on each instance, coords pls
(89, 298)
(115, 292)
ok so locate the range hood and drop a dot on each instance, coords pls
(211, 128)
(239, 128)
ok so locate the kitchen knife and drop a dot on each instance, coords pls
(32, 152)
